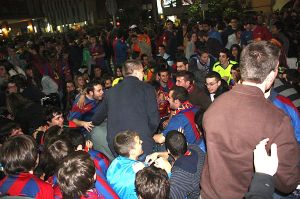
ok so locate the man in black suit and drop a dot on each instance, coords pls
(130, 105)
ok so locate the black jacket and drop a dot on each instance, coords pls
(262, 187)
(130, 105)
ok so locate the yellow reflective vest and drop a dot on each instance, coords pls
(217, 67)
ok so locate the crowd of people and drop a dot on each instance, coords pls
(175, 113)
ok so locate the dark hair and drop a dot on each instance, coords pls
(203, 34)
(168, 21)
(124, 142)
(71, 82)
(143, 55)
(180, 93)
(225, 51)
(90, 85)
(239, 49)
(16, 102)
(19, 154)
(258, 60)
(55, 151)
(176, 143)
(52, 133)
(161, 70)
(201, 51)
(75, 175)
(8, 127)
(51, 112)
(213, 74)
(76, 137)
(188, 76)
(152, 183)
(182, 59)
(162, 46)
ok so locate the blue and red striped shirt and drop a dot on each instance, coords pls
(27, 185)
(101, 164)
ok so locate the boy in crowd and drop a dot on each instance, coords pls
(101, 162)
(186, 169)
(152, 183)
(79, 171)
(19, 163)
(121, 172)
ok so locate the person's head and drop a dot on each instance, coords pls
(176, 143)
(177, 96)
(206, 25)
(194, 37)
(234, 23)
(182, 64)
(248, 24)
(107, 81)
(15, 102)
(259, 63)
(76, 175)
(94, 90)
(128, 144)
(204, 56)
(169, 24)
(212, 81)
(133, 68)
(12, 86)
(145, 59)
(77, 138)
(70, 86)
(161, 49)
(203, 36)
(235, 73)
(79, 81)
(54, 116)
(118, 72)
(152, 183)
(224, 56)
(93, 39)
(3, 71)
(134, 39)
(56, 149)
(9, 129)
(53, 133)
(238, 32)
(163, 76)
(19, 154)
(235, 51)
(29, 72)
(185, 79)
(277, 27)
(97, 72)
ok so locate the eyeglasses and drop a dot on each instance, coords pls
(210, 84)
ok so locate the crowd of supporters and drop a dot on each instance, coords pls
(97, 107)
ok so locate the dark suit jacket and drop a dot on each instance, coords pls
(199, 98)
(234, 124)
(130, 105)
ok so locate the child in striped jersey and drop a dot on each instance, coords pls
(19, 157)
(101, 163)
